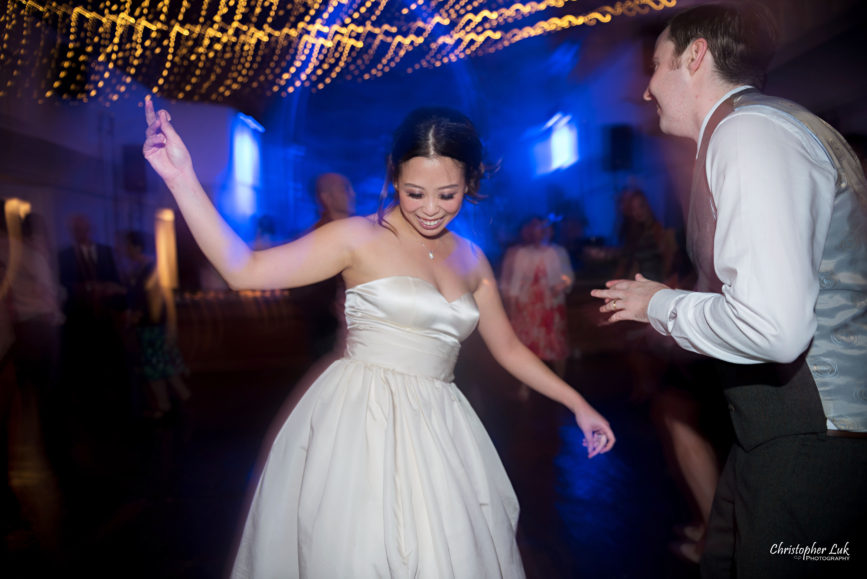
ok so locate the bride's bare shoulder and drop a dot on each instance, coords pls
(471, 260)
(354, 227)
(467, 250)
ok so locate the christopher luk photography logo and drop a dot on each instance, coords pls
(814, 552)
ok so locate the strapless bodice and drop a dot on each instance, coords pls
(406, 324)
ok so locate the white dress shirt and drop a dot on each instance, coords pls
(773, 187)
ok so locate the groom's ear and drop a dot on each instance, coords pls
(696, 55)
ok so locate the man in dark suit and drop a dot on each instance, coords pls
(92, 349)
(87, 268)
(777, 230)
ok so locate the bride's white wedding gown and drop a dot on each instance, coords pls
(383, 469)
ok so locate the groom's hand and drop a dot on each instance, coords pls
(626, 299)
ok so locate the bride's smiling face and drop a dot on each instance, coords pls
(430, 193)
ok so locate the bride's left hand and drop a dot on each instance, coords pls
(598, 436)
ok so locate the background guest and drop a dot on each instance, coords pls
(321, 305)
(536, 277)
(93, 360)
(157, 358)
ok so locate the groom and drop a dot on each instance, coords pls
(777, 229)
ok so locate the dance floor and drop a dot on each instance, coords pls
(142, 498)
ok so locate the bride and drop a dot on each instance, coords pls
(382, 469)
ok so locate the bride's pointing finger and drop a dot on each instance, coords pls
(150, 116)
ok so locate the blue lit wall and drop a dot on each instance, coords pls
(241, 187)
(556, 145)
(545, 129)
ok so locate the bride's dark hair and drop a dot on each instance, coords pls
(435, 132)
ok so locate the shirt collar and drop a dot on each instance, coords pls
(716, 105)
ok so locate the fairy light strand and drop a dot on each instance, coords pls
(219, 50)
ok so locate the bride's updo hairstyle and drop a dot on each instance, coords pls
(436, 132)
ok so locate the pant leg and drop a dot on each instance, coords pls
(794, 503)
(717, 561)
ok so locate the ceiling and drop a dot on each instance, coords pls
(251, 55)
(242, 53)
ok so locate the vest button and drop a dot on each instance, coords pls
(826, 282)
(823, 367)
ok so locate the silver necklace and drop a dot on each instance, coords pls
(430, 252)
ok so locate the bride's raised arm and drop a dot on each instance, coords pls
(319, 255)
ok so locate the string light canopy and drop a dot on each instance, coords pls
(224, 50)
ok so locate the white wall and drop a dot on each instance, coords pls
(71, 141)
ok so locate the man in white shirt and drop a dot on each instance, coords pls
(778, 233)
